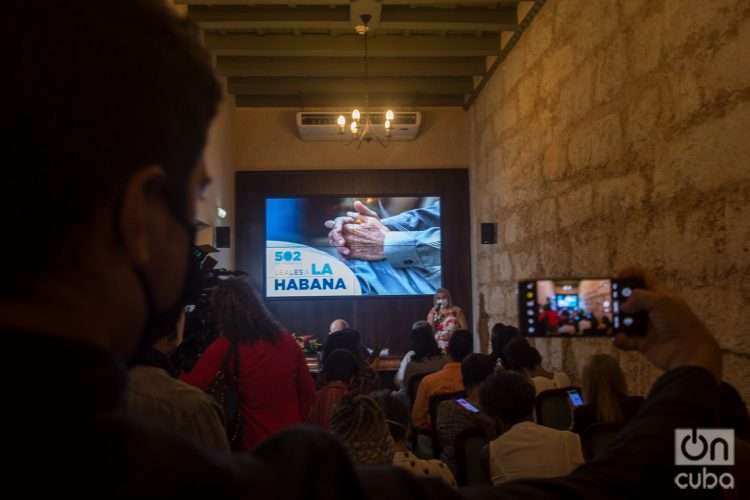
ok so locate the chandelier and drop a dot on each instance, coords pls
(361, 122)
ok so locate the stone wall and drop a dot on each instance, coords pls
(617, 132)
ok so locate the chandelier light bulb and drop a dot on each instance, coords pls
(389, 115)
(356, 115)
(353, 127)
(387, 124)
(341, 121)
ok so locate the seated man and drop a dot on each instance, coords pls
(155, 396)
(444, 381)
(337, 325)
(453, 418)
(525, 450)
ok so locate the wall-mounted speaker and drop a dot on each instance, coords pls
(222, 237)
(489, 233)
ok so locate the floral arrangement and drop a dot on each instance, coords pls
(308, 343)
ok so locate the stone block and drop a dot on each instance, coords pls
(632, 7)
(524, 265)
(528, 92)
(554, 161)
(538, 39)
(579, 148)
(576, 206)
(685, 94)
(645, 44)
(606, 145)
(683, 26)
(502, 269)
(707, 156)
(590, 252)
(576, 94)
(724, 73)
(643, 116)
(621, 197)
(555, 68)
(612, 69)
(506, 115)
(594, 26)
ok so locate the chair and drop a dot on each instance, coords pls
(596, 438)
(470, 469)
(553, 408)
(434, 403)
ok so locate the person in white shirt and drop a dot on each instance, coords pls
(525, 450)
(525, 359)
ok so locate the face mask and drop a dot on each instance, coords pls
(152, 329)
(441, 303)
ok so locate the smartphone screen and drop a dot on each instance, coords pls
(467, 406)
(575, 398)
(584, 307)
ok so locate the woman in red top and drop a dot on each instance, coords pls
(275, 385)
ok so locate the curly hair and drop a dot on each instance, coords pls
(360, 424)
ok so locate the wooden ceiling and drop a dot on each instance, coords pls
(306, 53)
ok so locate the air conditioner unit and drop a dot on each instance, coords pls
(321, 126)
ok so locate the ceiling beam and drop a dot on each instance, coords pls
(321, 17)
(268, 17)
(336, 67)
(473, 19)
(281, 86)
(348, 100)
(242, 44)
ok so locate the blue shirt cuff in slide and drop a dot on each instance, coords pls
(400, 248)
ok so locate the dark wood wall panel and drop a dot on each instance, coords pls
(383, 321)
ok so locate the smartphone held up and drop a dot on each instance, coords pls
(578, 307)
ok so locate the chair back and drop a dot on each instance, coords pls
(553, 408)
(468, 447)
(596, 438)
(434, 403)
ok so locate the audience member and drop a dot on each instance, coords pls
(605, 394)
(524, 358)
(397, 417)
(501, 335)
(525, 449)
(359, 423)
(424, 357)
(366, 379)
(157, 398)
(447, 380)
(337, 325)
(275, 386)
(337, 377)
(453, 418)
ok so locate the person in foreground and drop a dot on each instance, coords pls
(525, 449)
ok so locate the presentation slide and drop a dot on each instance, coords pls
(327, 246)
